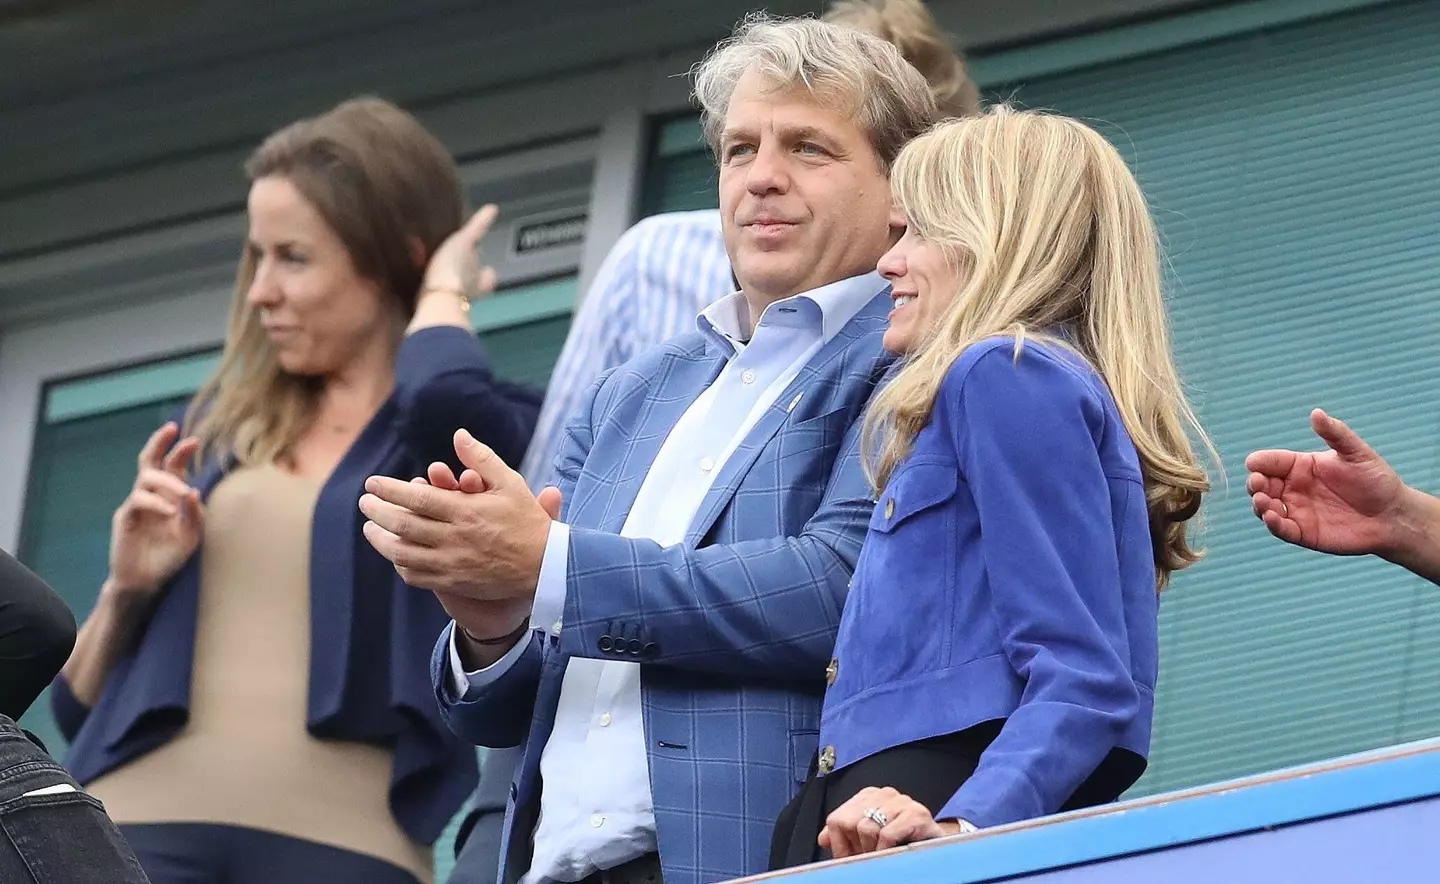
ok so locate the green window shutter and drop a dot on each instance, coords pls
(1295, 175)
(524, 327)
(680, 174)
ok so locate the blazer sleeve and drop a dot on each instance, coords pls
(766, 609)
(498, 715)
(1026, 435)
(70, 714)
(443, 383)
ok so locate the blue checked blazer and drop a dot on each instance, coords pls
(733, 629)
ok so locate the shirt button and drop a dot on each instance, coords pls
(890, 508)
(747, 377)
(597, 820)
(707, 464)
(605, 720)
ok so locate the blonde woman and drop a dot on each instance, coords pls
(250, 696)
(997, 654)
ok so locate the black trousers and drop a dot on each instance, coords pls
(929, 771)
(51, 832)
(37, 632)
(202, 853)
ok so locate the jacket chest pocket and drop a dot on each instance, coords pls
(901, 605)
(914, 489)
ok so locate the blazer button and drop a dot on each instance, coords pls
(827, 760)
(830, 672)
(890, 508)
(606, 644)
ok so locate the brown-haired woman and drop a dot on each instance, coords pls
(262, 711)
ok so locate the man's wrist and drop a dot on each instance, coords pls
(1415, 533)
(478, 650)
(507, 640)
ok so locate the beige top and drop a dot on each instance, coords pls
(244, 757)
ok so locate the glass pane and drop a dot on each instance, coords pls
(82, 470)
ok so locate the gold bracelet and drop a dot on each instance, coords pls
(464, 299)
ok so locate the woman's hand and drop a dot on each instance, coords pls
(160, 523)
(853, 828)
(455, 266)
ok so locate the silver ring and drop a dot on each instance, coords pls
(876, 816)
(1284, 510)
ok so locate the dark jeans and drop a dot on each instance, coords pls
(203, 853)
(51, 832)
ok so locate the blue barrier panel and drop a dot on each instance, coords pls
(1373, 817)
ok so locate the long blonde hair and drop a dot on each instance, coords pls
(384, 185)
(1051, 231)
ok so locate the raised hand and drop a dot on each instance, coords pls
(161, 521)
(1346, 500)
(455, 266)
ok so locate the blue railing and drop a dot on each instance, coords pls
(1373, 817)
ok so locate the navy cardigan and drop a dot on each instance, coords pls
(370, 634)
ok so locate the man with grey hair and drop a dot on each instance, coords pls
(661, 648)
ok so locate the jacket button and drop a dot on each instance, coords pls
(605, 644)
(890, 508)
(830, 672)
(827, 760)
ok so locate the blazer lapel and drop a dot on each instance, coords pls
(805, 397)
(682, 380)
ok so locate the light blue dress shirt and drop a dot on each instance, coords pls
(602, 814)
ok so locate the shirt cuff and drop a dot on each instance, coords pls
(545, 614)
(464, 684)
(547, 611)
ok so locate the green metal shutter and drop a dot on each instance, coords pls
(1295, 175)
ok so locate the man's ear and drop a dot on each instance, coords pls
(418, 253)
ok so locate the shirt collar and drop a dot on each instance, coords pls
(827, 308)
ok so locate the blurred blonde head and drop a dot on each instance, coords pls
(1051, 231)
(845, 70)
(909, 26)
